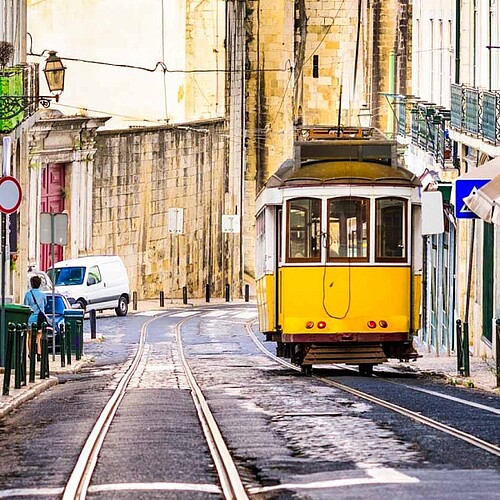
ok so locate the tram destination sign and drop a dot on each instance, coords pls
(464, 188)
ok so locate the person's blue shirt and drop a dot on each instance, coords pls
(41, 300)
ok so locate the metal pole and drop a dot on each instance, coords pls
(53, 257)
(3, 329)
(466, 371)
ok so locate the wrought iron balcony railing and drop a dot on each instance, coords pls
(428, 129)
(476, 112)
(19, 95)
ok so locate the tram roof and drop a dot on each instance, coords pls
(341, 172)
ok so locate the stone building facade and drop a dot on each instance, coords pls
(140, 176)
(313, 63)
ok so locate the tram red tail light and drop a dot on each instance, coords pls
(372, 324)
(309, 324)
(383, 323)
(321, 325)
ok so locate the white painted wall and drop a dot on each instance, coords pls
(433, 52)
(127, 32)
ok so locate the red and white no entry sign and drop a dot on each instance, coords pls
(10, 194)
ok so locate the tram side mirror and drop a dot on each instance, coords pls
(432, 212)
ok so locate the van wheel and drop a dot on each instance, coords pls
(82, 304)
(122, 308)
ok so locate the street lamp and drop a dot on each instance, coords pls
(12, 105)
(54, 73)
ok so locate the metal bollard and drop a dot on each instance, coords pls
(465, 350)
(79, 340)
(497, 329)
(17, 357)
(32, 332)
(207, 292)
(227, 292)
(8, 358)
(134, 300)
(460, 361)
(184, 295)
(24, 355)
(68, 343)
(247, 293)
(162, 299)
(62, 347)
(93, 323)
(44, 365)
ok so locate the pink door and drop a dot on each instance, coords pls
(52, 201)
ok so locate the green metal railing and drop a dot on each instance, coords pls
(476, 112)
(71, 340)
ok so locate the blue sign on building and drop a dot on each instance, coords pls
(463, 188)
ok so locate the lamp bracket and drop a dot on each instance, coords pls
(12, 105)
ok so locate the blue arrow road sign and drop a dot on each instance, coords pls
(463, 188)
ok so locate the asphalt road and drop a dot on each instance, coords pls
(291, 436)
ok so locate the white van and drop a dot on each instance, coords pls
(97, 282)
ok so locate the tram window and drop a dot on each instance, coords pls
(348, 228)
(391, 229)
(304, 225)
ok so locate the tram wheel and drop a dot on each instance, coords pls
(366, 369)
(306, 369)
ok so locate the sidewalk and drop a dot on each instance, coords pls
(482, 373)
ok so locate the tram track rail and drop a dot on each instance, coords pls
(457, 433)
(78, 483)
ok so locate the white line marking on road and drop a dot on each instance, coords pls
(149, 313)
(245, 315)
(214, 314)
(31, 492)
(206, 488)
(377, 476)
(184, 314)
(457, 400)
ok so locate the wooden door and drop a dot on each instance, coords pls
(52, 200)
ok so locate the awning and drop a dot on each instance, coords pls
(482, 201)
(485, 201)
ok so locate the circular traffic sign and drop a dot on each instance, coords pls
(10, 194)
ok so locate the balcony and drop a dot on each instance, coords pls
(427, 126)
(17, 84)
(476, 113)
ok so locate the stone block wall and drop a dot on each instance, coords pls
(139, 174)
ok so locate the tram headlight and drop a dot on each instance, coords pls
(309, 324)
(321, 325)
(372, 324)
(383, 323)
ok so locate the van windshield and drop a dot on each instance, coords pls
(67, 275)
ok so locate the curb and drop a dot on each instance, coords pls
(27, 395)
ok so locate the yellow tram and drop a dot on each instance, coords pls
(338, 253)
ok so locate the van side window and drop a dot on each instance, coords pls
(94, 276)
